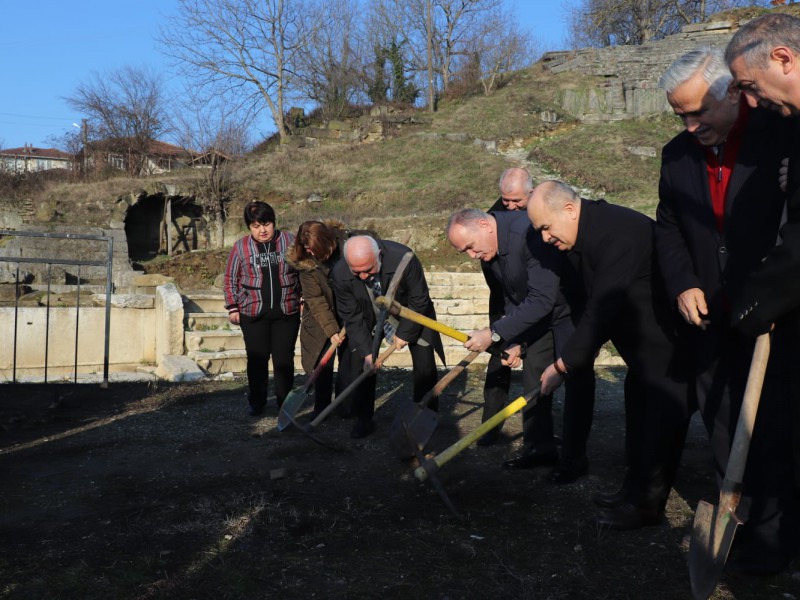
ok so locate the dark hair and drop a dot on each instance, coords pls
(318, 237)
(258, 212)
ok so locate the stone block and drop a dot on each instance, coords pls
(152, 280)
(178, 368)
(125, 300)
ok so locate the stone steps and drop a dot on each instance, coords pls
(461, 300)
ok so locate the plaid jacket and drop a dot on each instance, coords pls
(243, 278)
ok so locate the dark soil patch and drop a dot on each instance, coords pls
(173, 491)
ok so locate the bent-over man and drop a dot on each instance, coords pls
(610, 256)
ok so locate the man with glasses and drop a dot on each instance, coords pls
(364, 274)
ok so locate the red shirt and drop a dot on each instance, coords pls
(720, 166)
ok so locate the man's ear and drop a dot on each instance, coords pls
(733, 93)
(785, 57)
(569, 208)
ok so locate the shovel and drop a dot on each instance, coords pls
(432, 465)
(308, 428)
(414, 423)
(297, 398)
(715, 526)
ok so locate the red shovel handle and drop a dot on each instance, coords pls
(326, 358)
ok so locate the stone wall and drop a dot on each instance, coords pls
(622, 81)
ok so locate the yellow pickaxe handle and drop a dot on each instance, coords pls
(433, 464)
(398, 310)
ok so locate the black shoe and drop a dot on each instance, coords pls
(362, 429)
(609, 499)
(256, 409)
(529, 460)
(626, 517)
(569, 470)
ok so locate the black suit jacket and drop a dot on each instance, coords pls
(614, 261)
(527, 270)
(356, 310)
(692, 252)
(496, 301)
(772, 292)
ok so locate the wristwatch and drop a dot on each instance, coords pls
(495, 337)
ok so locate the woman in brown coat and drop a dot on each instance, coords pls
(316, 249)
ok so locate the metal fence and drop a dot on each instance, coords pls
(48, 263)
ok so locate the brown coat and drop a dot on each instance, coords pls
(319, 320)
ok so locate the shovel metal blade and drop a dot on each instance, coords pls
(412, 428)
(712, 536)
(293, 403)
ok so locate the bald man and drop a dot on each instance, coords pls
(515, 186)
(368, 262)
(611, 263)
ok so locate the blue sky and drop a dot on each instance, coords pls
(50, 46)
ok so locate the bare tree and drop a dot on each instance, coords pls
(215, 138)
(502, 48)
(631, 22)
(330, 62)
(246, 50)
(436, 35)
(125, 110)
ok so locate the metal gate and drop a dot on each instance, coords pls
(49, 262)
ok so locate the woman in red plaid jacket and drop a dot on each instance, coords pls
(262, 295)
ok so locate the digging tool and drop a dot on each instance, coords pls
(297, 398)
(437, 485)
(390, 292)
(414, 423)
(397, 309)
(432, 465)
(308, 428)
(715, 526)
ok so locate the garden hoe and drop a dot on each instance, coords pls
(308, 428)
(431, 465)
(715, 526)
(414, 423)
(437, 485)
(296, 398)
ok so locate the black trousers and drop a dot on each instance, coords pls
(768, 504)
(324, 386)
(270, 335)
(423, 375)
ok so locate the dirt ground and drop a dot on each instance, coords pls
(173, 491)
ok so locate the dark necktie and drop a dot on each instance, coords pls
(388, 329)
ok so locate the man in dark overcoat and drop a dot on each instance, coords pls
(535, 314)
(368, 267)
(611, 260)
(719, 211)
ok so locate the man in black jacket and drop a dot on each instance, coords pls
(719, 211)
(610, 260)
(534, 314)
(515, 187)
(365, 273)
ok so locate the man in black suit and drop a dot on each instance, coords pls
(367, 264)
(515, 187)
(534, 314)
(719, 211)
(610, 260)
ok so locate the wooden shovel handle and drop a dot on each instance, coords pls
(440, 386)
(351, 388)
(323, 362)
(747, 414)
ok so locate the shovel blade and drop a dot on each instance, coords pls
(293, 402)
(712, 536)
(412, 429)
